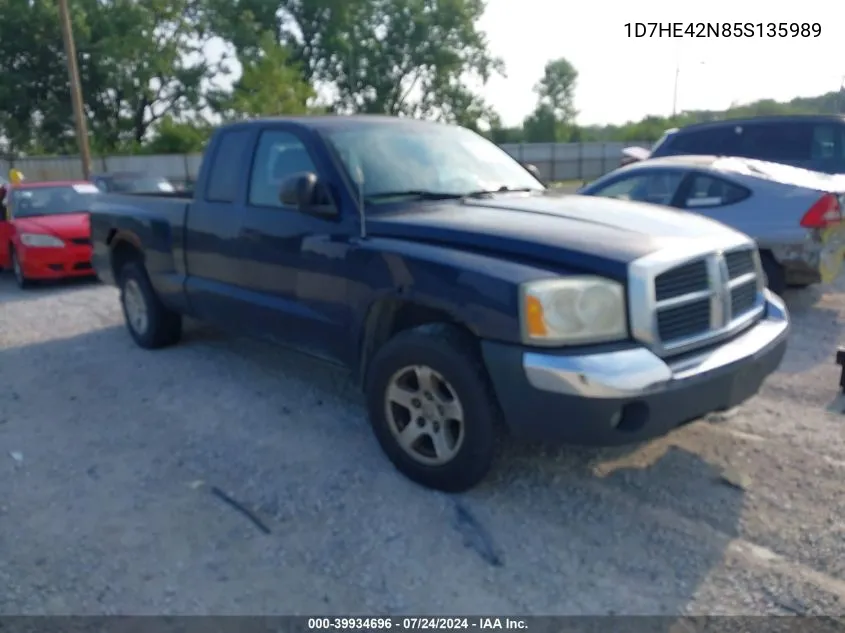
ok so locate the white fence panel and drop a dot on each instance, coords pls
(556, 161)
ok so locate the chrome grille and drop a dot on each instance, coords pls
(684, 320)
(743, 298)
(681, 280)
(740, 263)
(691, 304)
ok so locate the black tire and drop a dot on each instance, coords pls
(450, 353)
(163, 326)
(17, 271)
(775, 275)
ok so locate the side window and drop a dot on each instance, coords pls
(279, 156)
(656, 188)
(222, 183)
(718, 141)
(707, 191)
(825, 143)
(776, 142)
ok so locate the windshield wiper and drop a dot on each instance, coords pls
(420, 194)
(503, 189)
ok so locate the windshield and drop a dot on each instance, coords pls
(141, 184)
(660, 141)
(52, 200)
(436, 159)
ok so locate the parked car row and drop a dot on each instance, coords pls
(814, 142)
(44, 226)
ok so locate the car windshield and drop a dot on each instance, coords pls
(28, 202)
(427, 161)
(662, 139)
(140, 184)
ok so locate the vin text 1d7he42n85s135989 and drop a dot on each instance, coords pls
(467, 299)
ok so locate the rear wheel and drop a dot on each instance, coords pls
(775, 275)
(432, 407)
(149, 322)
(17, 270)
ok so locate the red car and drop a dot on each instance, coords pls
(45, 231)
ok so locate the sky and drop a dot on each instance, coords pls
(622, 78)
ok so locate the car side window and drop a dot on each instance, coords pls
(718, 141)
(655, 188)
(776, 142)
(279, 155)
(222, 183)
(708, 191)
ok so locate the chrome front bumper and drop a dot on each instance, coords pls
(638, 372)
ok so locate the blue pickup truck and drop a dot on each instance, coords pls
(467, 299)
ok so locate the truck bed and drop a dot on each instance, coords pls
(158, 221)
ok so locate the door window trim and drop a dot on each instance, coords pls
(281, 207)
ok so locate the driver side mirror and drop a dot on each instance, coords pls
(305, 192)
(532, 169)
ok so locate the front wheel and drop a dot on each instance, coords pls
(17, 270)
(150, 323)
(432, 407)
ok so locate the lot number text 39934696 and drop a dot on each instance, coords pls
(722, 29)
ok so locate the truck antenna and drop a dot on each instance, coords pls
(359, 181)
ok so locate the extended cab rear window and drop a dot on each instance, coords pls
(223, 176)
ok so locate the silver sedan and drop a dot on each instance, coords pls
(794, 215)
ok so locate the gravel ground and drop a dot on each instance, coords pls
(111, 457)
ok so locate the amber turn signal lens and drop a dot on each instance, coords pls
(534, 321)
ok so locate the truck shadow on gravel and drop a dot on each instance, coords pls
(554, 530)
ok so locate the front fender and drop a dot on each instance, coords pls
(478, 290)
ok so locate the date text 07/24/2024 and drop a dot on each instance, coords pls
(380, 624)
(723, 29)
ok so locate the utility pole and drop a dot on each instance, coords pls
(675, 93)
(75, 90)
(840, 95)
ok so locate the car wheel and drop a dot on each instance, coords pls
(150, 323)
(17, 270)
(432, 407)
(775, 275)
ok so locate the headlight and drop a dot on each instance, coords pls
(41, 241)
(573, 311)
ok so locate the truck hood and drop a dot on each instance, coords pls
(591, 234)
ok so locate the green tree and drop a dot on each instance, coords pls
(554, 116)
(401, 57)
(556, 89)
(139, 61)
(31, 71)
(178, 137)
(270, 84)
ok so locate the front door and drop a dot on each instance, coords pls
(292, 264)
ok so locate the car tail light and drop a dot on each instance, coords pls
(824, 212)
